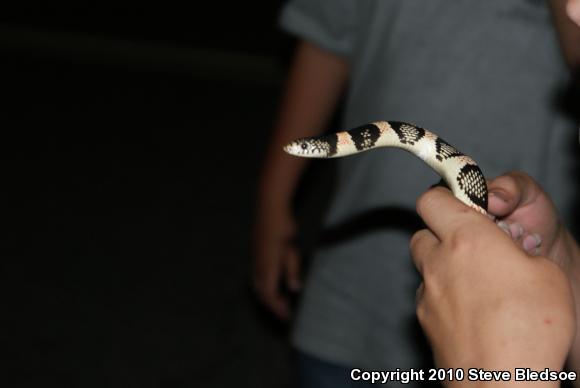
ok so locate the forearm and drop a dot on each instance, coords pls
(314, 85)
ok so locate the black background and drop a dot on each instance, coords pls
(131, 137)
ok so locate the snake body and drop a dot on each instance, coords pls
(459, 171)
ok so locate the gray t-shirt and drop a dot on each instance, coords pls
(484, 75)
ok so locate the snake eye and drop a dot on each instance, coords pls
(304, 146)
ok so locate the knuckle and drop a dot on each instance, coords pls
(415, 241)
(421, 312)
(461, 241)
(430, 306)
(509, 182)
(422, 264)
(423, 202)
(430, 287)
(419, 292)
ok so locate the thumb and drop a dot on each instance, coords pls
(509, 192)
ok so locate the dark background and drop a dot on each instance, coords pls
(130, 142)
(131, 137)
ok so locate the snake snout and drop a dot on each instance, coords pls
(298, 148)
(307, 148)
(291, 148)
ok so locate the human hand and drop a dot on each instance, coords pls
(532, 217)
(484, 303)
(276, 260)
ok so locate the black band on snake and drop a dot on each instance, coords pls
(458, 170)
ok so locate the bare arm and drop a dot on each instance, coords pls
(315, 83)
(573, 10)
(568, 32)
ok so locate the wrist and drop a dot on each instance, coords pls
(274, 196)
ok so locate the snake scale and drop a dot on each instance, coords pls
(461, 173)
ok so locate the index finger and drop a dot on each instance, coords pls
(422, 245)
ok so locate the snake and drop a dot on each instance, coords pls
(458, 170)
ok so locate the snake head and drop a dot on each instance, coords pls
(308, 148)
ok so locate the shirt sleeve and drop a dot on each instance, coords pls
(325, 23)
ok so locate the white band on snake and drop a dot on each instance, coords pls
(458, 170)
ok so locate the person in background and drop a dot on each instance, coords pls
(480, 74)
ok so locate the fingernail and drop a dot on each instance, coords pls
(505, 227)
(516, 230)
(500, 194)
(531, 241)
